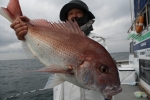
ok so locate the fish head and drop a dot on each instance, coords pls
(99, 73)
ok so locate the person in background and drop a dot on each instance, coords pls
(74, 10)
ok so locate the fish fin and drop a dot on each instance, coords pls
(75, 27)
(12, 11)
(53, 81)
(54, 69)
(27, 51)
(40, 22)
(68, 27)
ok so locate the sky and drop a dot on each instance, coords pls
(112, 21)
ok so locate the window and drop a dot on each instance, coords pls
(144, 70)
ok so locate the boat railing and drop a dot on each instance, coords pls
(122, 62)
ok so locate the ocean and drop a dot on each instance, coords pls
(17, 76)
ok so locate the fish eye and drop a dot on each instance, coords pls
(103, 69)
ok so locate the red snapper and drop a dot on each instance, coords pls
(66, 51)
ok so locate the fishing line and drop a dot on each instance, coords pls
(24, 93)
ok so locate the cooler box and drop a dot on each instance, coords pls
(127, 74)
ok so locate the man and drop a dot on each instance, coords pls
(74, 10)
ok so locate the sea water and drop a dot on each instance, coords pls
(18, 76)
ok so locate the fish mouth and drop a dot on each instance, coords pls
(110, 91)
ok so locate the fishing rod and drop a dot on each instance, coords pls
(109, 99)
(31, 92)
(24, 93)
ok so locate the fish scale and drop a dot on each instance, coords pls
(46, 59)
(45, 52)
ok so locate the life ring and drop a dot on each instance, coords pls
(139, 24)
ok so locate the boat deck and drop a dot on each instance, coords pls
(128, 93)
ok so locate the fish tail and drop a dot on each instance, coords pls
(12, 11)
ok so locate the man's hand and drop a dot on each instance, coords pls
(20, 27)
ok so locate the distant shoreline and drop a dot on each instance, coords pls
(116, 56)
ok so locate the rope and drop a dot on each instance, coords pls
(23, 94)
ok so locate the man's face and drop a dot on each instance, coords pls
(73, 13)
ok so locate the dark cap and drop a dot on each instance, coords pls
(74, 4)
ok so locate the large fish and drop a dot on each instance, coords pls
(68, 53)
